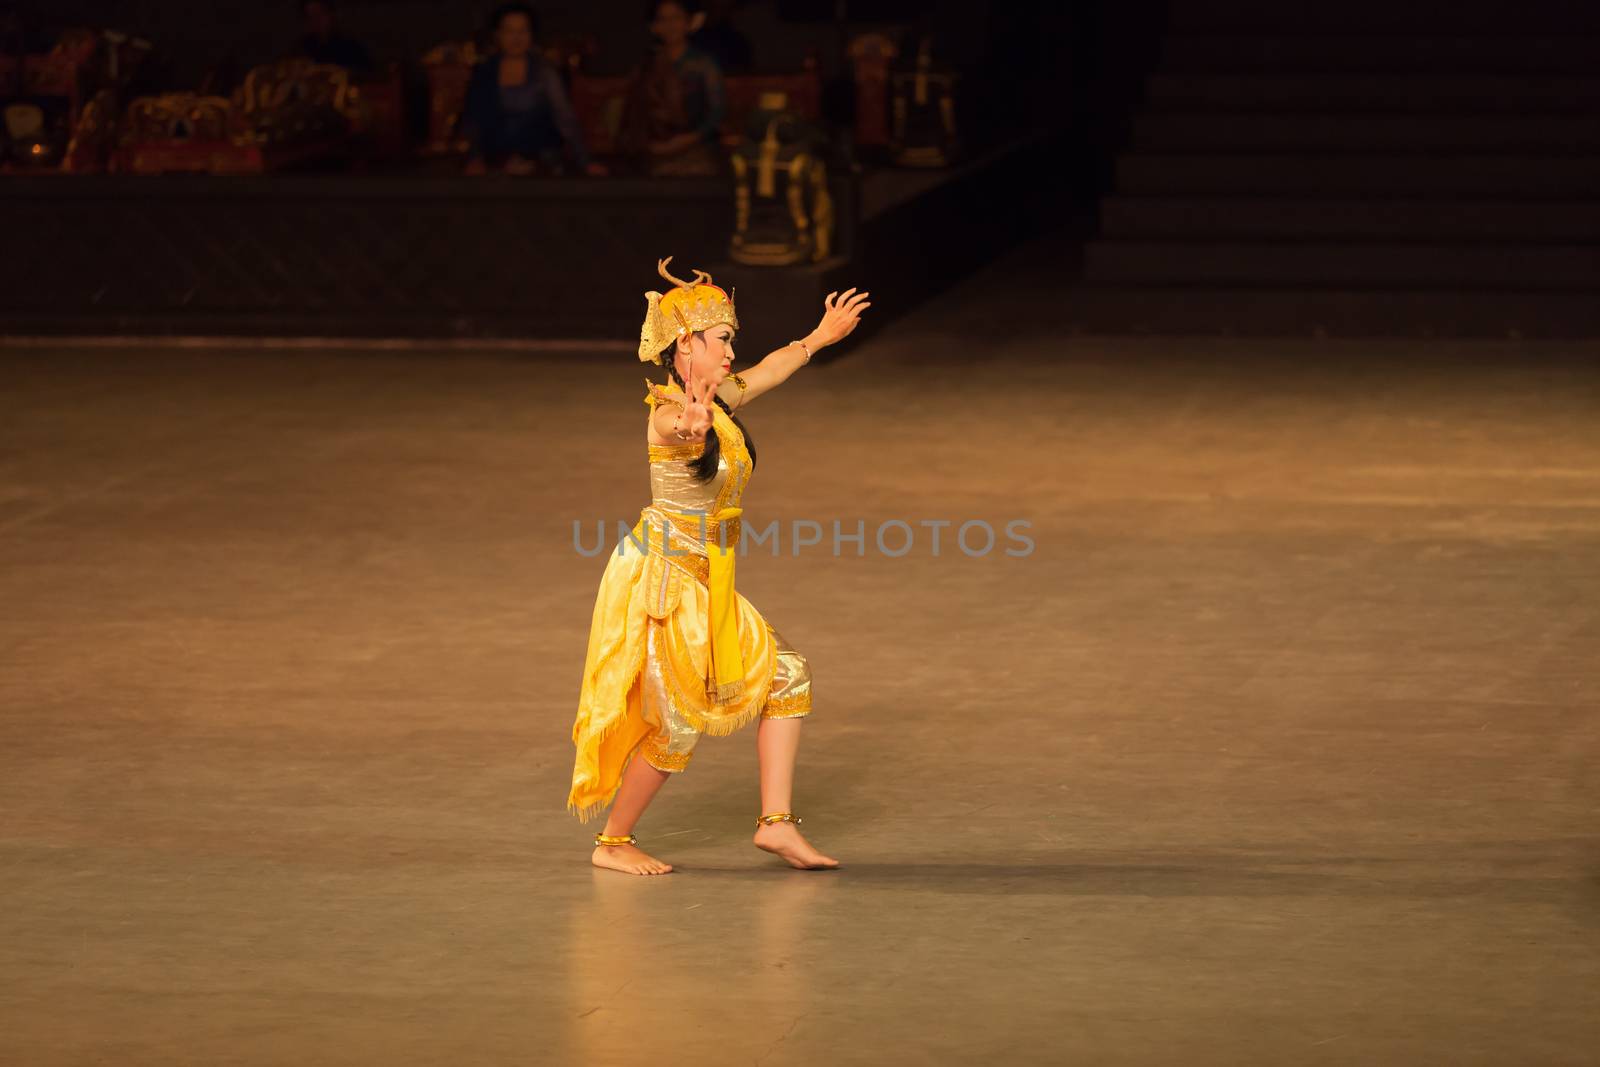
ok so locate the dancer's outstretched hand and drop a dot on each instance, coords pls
(841, 316)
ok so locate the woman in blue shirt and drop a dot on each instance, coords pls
(516, 111)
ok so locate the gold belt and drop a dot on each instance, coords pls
(705, 528)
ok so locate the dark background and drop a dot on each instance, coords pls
(1193, 167)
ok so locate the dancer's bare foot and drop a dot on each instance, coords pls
(784, 839)
(629, 859)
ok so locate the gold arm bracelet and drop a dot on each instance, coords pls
(738, 401)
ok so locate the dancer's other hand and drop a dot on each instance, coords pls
(697, 412)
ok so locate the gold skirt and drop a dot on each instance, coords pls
(645, 677)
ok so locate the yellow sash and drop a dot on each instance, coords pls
(727, 660)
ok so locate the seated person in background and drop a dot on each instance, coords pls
(676, 102)
(323, 43)
(516, 111)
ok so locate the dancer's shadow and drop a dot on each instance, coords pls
(1191, 875)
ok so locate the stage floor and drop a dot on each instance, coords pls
(1280, 747)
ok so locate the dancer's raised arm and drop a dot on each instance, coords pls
(841, 315)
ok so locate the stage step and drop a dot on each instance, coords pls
(1442, 220)
(1430, 167)
(1326, 264)
(1388, 93)
(1350, 53)
(1526, 177)
(1245, 311)
(1399, 134)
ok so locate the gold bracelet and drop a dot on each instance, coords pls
(614, 839)
(804, 349)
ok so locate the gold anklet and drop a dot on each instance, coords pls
(780, 816)
(615, 839)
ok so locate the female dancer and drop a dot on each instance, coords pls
(674, 650)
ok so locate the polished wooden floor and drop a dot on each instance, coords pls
(1281, 747)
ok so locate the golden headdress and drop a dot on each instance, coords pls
(689, 308)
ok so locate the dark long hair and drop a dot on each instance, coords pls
(705, 468)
